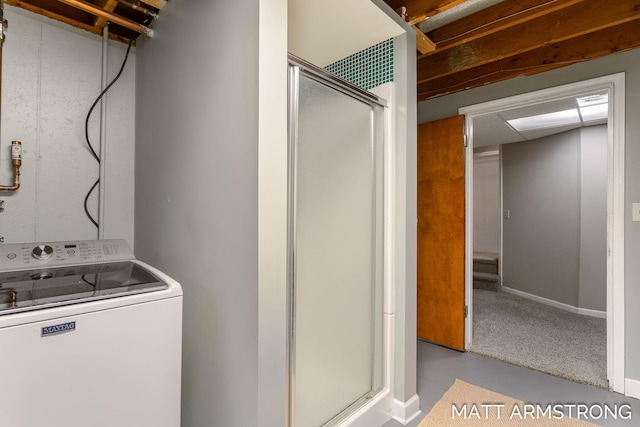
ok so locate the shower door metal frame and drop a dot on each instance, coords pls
(298, 67)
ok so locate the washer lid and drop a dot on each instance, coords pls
(43, 288)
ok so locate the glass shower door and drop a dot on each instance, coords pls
(336, 249)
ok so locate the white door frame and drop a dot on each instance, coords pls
(615, 85)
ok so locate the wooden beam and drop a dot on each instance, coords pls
(496, 19)
(577, 18)
(423, 44)
(95, 10)
(54, 8)
(109, 6)
(552, 56)
(498, 16)
(158, 4)
(419, 10)
(58, 17)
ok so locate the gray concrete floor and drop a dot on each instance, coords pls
(438, 367)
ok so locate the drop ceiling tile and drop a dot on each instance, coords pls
(535, 134)
(492, 130)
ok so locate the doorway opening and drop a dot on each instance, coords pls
(613, 88)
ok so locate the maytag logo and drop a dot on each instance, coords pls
(58, 329)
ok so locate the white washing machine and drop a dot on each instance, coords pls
(89, 337)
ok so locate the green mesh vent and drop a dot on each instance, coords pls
(368, 68)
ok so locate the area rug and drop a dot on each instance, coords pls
(468, 405)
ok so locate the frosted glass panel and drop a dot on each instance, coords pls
(337, 283)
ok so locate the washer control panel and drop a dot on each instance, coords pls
(22, 256)
(42, 252)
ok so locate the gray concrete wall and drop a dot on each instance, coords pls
(51, 74)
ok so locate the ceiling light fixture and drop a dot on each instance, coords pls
(594, 113)
(546, 121)
(586, 101)
(593, 109)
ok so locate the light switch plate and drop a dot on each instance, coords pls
(635, 207)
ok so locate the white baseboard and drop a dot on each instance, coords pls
(556, 304)
(405, 412)
(593, 313)
(632, 388)
(376, 412)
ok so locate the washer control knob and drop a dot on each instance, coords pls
(42, 252)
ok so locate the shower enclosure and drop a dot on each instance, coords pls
(336, 337)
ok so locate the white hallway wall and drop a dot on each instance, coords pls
(486, 204)
(51, 74)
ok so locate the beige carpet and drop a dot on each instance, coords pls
(468, 405)
(527, 333)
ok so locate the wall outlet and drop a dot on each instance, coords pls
(507, 214)
(635, 209)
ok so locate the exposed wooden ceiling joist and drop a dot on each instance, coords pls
(419, 10)
(108, 6)
(521, 37)
(570, 19)
(158, 4)
(127, 18)
(492, 19)
(501, 41)
(103, 15)
(423, 43)
(589, 46)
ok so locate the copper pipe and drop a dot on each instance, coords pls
(16, 159)
(8, 298)
(95, 10)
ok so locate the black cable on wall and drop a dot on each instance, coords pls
(86, 132)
